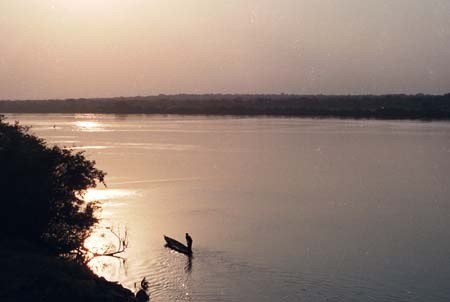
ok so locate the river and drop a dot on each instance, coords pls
(279, 209)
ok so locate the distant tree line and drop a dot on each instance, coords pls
(398, 106)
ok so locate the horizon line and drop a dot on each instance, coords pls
(226, 94)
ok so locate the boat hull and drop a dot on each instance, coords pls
(177, 246)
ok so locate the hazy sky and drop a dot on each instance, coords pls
(90, 48)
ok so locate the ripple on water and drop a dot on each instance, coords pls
(217, 276)
(210, 276)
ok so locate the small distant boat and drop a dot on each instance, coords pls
(177, 246)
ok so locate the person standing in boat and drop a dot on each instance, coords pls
(189, 242)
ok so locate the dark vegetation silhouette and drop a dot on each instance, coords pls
(42, 189)
(44, 222)
(395, 106)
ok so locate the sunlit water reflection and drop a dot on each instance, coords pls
(88, 126)
(279, 209)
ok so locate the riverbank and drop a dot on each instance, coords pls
(29, 274)
(422, 107)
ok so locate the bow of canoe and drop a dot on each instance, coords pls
(177, 246)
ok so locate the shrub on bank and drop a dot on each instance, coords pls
(41, 189)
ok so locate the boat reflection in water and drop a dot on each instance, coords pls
(188, 267)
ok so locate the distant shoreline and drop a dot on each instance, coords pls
(399, 106)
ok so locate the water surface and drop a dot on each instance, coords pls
(279, 209)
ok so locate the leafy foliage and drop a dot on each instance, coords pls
(41, 189)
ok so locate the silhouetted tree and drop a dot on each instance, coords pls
(41, 191)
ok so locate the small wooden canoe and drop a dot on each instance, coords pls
(177, 246)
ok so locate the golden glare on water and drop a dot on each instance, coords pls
(106, 239)
(106, 194)
(97, 242)
(102, 241)
(87, 126)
